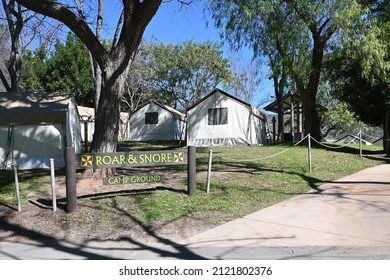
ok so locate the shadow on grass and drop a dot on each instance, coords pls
(122, 247)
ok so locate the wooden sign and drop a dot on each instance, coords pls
(131, 159)
(134, 179)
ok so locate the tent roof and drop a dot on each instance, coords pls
(287, 99)
(254, 110)
(220, 91)
(180, 115)
(25, 108)
(88, 114)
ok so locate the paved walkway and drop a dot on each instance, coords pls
(353, 211)
(346, 219)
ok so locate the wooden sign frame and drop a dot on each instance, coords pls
(131, 159)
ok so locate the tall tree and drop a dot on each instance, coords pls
(114, 63)
(360, 72)
(298, 30)
(188, 71)
(370, 100)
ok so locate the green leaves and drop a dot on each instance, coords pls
(187, 71)
(66, 69)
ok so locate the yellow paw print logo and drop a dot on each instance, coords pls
(87, 161)
(178, 157)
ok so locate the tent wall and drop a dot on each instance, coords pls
(241, 127)
(31, 145)
(87, 121)
(167, 126)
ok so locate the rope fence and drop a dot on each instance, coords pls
(308, 137)
(262, 158)
(333, 147)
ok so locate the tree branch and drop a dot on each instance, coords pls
(76, 24)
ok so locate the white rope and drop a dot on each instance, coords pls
(373, 137)
(263, 158)
(332, 147)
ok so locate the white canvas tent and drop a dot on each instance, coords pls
(35, 127)
(157, 122)
(87, 124)
(220, 119)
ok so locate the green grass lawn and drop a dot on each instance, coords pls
(240, 183)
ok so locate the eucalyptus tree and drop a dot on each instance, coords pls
(296, 31)
(360, 71)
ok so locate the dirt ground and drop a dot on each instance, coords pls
(93, 220)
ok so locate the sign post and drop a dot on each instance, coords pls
(191, 170)
(71, 191)
(126, 160)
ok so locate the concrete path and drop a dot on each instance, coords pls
(352, 212)
(346, 219)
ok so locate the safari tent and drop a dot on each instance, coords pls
(35, 127)
(155, 121)
(87, 124)
(220, 119)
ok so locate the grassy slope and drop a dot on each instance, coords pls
(238, 187)
(241, 187)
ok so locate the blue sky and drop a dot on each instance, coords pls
(172, 25)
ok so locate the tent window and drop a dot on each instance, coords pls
(218, 116)
(151, 118)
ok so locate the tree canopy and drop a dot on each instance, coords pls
(296, 32)
(66, 69)
(185, 72)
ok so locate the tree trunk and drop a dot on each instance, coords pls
(279, 90)
(311, 118)
(15, 25)
(105, 138)
(108, 112)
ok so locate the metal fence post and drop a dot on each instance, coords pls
(209, 171)
(309, 151)
(17, 187)
(53, 185)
